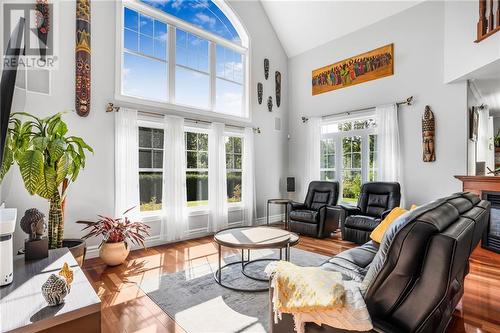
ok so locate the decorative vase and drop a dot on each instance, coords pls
(114, 254)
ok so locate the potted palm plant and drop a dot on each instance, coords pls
(115, 233)
(49, 161)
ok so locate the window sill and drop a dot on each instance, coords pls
(155, 216)
(167, 108)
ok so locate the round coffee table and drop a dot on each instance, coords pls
(252, 238)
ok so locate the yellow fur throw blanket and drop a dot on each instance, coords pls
(312, 294)
(305, 289)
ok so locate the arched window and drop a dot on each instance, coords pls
(187, 55)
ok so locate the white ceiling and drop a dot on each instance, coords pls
(303, 25)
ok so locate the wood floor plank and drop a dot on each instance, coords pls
(125, 308)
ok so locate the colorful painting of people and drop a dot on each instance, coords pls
(347, 72)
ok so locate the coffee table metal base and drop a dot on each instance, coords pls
(244, 263)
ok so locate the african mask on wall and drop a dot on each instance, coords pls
(260, 91)
(428, 135)
(277, 78)
(270, 103)
(266, 68)
(82, 58)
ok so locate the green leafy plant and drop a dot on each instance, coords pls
(497, 139)
(49, 161)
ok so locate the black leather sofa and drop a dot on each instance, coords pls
(317, 216)
(414, 279)
(375, 201)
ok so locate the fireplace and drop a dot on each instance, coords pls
(487, 188)
(491, 237)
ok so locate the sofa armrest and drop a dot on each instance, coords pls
(350, 210)
(293, 205)
(329, 219)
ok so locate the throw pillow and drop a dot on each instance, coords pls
(378, 233)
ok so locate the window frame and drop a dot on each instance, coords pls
(214, 40)
(198, 130)
(338, 137)
(155, 125)
(240, 204)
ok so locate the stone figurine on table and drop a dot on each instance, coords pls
(33, 224)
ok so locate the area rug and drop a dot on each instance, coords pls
(199, 305)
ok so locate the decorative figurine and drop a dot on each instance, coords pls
(260, 91)
(277, 78)
(270, 103)
(55, 289)
(82, 58)
(428, 134)
(33, 224)
(67, 273)
(266, 68)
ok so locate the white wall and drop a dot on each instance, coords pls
(418, 37)
(461, 54)
(93, 193)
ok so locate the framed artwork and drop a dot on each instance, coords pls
(364, 67)
(473, 123)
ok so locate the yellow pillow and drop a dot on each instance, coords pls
(378, 233)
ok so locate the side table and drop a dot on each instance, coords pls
(279, 202)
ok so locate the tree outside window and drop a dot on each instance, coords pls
(196, 169)
(234, 168)
(150, 168)
(327, 168)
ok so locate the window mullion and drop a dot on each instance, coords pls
(365, 157)
(171, 63)
(212, 60)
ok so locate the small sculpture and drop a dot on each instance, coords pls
(266, 68)
(270, 103)
(55, 289)
(428, 134)
(33, 223)
(277, 78)
(260, 91)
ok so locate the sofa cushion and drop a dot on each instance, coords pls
(353, 263)
(361, 222)
(320, 198)
(309, 216)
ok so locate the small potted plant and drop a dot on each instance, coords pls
(114, 248)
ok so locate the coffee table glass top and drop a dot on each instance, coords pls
(255, 237)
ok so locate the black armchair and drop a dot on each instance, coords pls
(376, 200)
(317, 216)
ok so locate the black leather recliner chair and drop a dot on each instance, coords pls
(376, 200)
(414, 279)
(317, 216)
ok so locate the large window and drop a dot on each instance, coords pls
(150, 168)
(348, 154)
(234, 169)
(196, 169)
(198, 64)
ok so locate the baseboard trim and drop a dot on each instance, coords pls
(156, 240)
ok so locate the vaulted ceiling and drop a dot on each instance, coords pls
(304, 25)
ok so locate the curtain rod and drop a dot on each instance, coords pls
(113, 108)
(408, 101)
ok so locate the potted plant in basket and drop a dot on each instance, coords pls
(115, 232)
(49, 161)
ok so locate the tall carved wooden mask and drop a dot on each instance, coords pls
(82, 58)
(428, 135)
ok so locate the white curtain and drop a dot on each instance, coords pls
(312, 159)
(389, 154)
(126, 163)
(248, 181)
(217, 180)
(174, 217)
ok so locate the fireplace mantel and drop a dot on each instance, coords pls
(478, 184)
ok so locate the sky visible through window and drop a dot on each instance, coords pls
(201, 13)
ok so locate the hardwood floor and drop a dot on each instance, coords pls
(125, 308)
